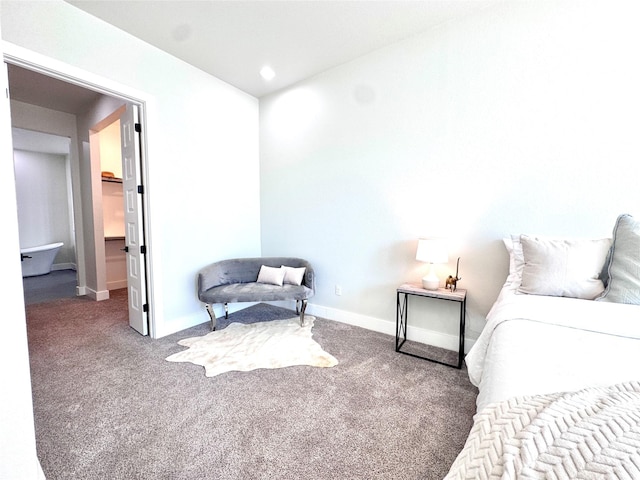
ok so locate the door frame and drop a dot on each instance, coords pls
(30, 60)
(102, 290)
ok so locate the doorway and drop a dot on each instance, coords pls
(71, 98)
(45, 214)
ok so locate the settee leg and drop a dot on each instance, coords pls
(212, 316)
(302, 309)
(226, 311)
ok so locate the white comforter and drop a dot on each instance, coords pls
(536, 344)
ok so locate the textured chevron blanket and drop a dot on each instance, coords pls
(588, 434)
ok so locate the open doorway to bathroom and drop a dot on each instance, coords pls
(45, 215)
(48, 101)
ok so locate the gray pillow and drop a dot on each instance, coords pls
(624, 266)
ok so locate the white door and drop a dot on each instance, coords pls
(134, 225)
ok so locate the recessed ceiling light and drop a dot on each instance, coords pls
(267, 73)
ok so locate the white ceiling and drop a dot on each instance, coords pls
(234, 39)
(37, 89)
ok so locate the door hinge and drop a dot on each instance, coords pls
(145, 307)
(138, 127)
(143, 249)
(141, 189)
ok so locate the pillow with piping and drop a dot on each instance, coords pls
(293, 275)
(624, 264)
(563, 267)
(271, 275)
(516, 260)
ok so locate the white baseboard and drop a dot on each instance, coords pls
(179, 324)
(422, 335)
(183, 323)
(63, 266)
(93, 294)
(117, 284)
(102, 295)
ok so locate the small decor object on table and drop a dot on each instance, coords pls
(452, 282)
(415, 289)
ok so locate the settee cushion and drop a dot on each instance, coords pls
(254, 291)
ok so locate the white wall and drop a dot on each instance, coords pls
(17, 435)
(523, 118)
(113, 206)
(203, 181)
(110, 154)
(44, 120)
(114, 235)
(43, 192)
(203, 185)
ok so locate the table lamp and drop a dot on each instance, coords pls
(432, 250)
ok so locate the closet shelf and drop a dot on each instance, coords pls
(111, 180)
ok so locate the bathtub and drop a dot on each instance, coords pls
(38, 260)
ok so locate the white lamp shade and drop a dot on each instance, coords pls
(432, 250)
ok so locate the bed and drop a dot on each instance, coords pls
(557, 364)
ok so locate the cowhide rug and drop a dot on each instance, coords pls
(244, 347)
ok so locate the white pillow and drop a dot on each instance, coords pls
(516, 260)
(563, 267)
(293, 275)
(271, 275)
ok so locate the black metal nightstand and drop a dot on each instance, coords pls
(407, 289)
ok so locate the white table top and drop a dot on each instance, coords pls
(416, 289)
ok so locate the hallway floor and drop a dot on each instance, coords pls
(54, 285)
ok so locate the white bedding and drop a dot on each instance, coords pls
(559, 377)
(591, 434)
(535, 344)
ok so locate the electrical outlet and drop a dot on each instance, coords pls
(338, 289)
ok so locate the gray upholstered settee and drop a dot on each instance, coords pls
(235, 280)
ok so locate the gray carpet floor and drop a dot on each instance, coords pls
(108, 406)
